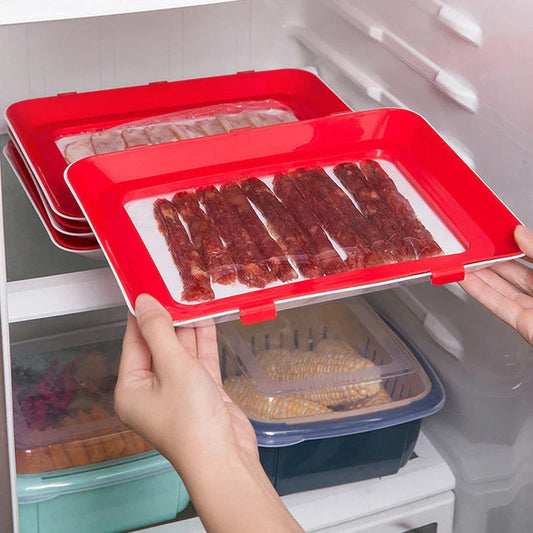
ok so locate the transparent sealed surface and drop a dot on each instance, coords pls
(63, 405)
(239, 236)
(172, 127)
(318, 363)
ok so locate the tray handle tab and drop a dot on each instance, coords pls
(448, 275)
(258, 313)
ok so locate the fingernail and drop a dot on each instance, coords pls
(145, 303)
(524, 232)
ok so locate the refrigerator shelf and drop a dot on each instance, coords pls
(34, 11)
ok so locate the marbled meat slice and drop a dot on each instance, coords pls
(210, 126)
(160, 134)
(135, 137)
(234, 121)
(283, 226)
(401, 210)
(206, 239)
(286, 190)
(362, 228)
(271, 250)
(251, 269)
(374, 208)
(107, 141)
(359, 255)
(196, 286)
(187, 131)
(78, 150)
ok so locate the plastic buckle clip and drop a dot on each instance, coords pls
(448, 275)
(258, 313)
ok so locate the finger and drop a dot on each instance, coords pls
(496, 302)
(206, 342)
(155, 326)
(187, 337)
(135, 353)
(521, 276)
(524, 238)
(525, 325)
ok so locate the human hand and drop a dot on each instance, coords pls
(169, 389)
(506, 289)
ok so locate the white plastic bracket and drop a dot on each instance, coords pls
(458, 90)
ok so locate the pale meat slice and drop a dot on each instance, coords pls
(187, 131)
(259, 119)
(135, 137)
(234, 122)
(107, 141)
(210, 126)
(160, 134)
(78, 150)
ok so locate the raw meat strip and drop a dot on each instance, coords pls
(205, 237)
(251, 269)
(234, 121)
(271, 250)
(283, 226)
(210, 126)
(135, 137)
(107, 141)
(78, 150)
(196, 286)
(357, 223)
(400, 210)
(374, 208)
(358, 254)
(328, 258)
(160, 133)
(187, 131)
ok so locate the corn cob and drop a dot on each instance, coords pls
(256, 405)
(330, 357)
(380, 398)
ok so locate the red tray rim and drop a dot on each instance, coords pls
(63, 241)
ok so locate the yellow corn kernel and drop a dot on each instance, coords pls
(257, 405)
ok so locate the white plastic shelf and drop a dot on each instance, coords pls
(62, 294)
(23, 11)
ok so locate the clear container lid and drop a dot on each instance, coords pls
(63, 401)
(322, 371)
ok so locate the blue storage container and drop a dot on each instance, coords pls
(341, 356)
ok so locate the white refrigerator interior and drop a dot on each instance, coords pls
(462, 64)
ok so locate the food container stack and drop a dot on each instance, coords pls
(333, 394)
(79, 468)
(48, 134)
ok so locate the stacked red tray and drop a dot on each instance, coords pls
(50, 133)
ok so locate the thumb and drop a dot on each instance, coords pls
(155, 326)
(524, 238)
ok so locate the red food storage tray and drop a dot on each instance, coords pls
(36, 124)
(475, 218)
(71, 243)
